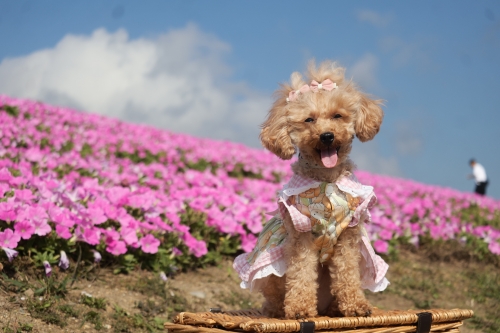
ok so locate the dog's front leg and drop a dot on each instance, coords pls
(301, 275)
(345, 276)
(274, 293)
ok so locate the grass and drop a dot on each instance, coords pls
(93, 302)
(485, 289)
(236, 299)
(430, 277)
(429, 282)
(94, 318)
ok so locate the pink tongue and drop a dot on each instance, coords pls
(329, 157)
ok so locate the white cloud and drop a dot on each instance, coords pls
(368, 158)
(374, 18)
(364, 72)
(178, 80)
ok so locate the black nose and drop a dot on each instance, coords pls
(327, 138)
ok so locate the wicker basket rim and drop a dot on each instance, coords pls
(253, 320)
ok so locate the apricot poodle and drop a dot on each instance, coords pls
(314, 256)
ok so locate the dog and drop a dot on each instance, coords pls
(314, 256)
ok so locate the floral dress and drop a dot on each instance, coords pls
(325, 210)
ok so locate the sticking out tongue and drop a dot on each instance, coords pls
(329, 157)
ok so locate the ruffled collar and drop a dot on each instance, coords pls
(346, 183)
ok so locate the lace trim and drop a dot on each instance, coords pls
(256, 281)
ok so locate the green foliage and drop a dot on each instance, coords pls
(14, 172)
(43, 309)
(51, 287)
(40, 257)
(150, 308)
(68, 310)
(13, 284)
(479, 216)
(124, 322)
(25, 327)
(150, 287)
(277, 177)
(17, 328)
(86, 150)
(94, 318)
(93, 302)
(42, 128)
(486, 290)
(236, 299)
(45, 142)
(144, 156)
(67, 147)
(62, 170)
(126, 264)
(201, 165)
(240, 172)
(10, 110)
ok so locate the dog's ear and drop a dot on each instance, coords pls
(369, 118)
(274, 134)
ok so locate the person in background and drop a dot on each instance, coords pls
(479, 175)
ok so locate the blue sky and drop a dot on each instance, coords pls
(209, 68)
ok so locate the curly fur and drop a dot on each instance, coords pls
(309, 289)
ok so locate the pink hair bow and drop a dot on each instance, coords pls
(295, 93)
(326, 85)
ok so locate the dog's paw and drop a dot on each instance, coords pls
(333, 312)
(358, 309)
(273, 312)
(298, 313)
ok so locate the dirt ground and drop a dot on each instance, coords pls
(141, 301)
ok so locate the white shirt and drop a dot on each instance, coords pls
(479, 173)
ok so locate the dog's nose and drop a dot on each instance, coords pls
(327, 138)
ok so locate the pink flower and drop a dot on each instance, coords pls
(24, 195)
(96, 215)
(24, 229)
(9, 239)
(5, 175)
(149, 244)
(11, 254)
(48, 269)
(176, 251)
(116, 247)
(197, 247)
(494, 247)
(7, 212)
(381, 246)
(248, 242)
(385, 234)
(63, 261)
(42, 228)
(129, 235)
(97, 256)
(63, 232)
(91, 236)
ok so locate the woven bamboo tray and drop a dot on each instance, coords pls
(379, 322)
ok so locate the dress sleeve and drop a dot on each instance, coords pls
(301, 222)
(364, 192)
(362, 213)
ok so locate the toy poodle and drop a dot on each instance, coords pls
(313, 257)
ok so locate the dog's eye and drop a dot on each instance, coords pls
(309, 120)
(338, 115)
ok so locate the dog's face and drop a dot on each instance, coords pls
(321, 124)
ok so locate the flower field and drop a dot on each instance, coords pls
(82, 185)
